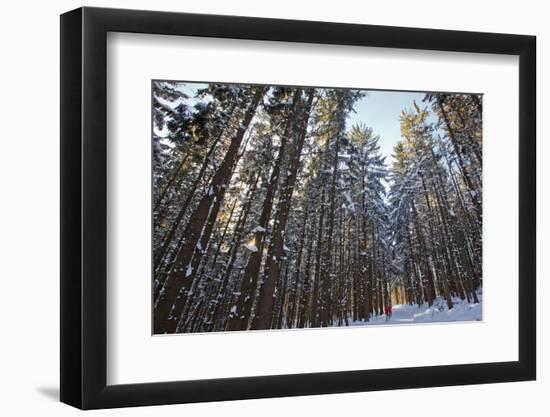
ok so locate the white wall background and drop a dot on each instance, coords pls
(29, 177)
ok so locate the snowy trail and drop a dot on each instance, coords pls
(437, 313)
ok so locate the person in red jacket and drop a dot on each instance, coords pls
(388, 312)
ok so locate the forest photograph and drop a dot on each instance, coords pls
(290, 207)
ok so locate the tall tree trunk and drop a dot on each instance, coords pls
(295, 297)
(303, 310)
(427, 270)
(163, 250)
(173, 295)
(314, 319)
(282, 293)
(327, 270)
(264, 309)
(472, 190)
(234, 249)
(200, 286)
(240, 315)
(163, 208)
(442, 274)
(173, 178)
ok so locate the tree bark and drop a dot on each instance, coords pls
(462, 165)
(240, 317)
(264, 309)
(295, 298)
(172, 297)
(163, 250)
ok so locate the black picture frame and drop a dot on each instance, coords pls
(84, 207)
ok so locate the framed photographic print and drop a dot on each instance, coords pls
(256, 208)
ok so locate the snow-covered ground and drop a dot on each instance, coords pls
(437, 313)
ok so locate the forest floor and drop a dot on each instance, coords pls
(437, 313)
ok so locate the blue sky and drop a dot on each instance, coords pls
(380, 110)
